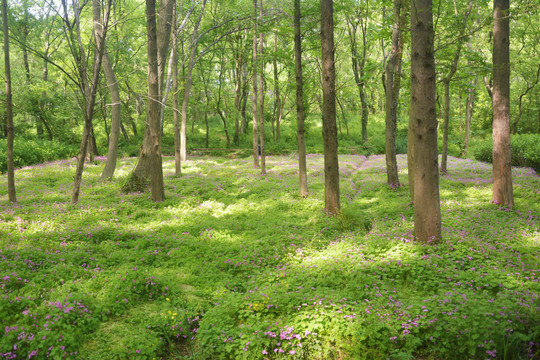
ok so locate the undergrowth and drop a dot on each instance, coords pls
(235, 265)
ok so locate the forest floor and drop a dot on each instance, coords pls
(236, 265)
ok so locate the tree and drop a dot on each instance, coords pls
(149, 166)
(502, 171)
(331, 164)
(358, 61)
(446, 82)
(254, 95)
(87, 86)
(9, 108)
(392, 87)
(176, 117)
(261, 92)
(187, 86)
(114, 90)
(423, 122)
(302, 171)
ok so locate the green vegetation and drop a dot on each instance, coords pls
(233, 265)
(34, 151)
(525, 150)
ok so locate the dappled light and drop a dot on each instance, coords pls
(237, 258)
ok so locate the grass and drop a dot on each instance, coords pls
(238, 266)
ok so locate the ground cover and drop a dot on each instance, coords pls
(237, 266)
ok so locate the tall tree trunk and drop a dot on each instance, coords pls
(446, 121)
(446, 82)
(277, 95)
(502, 171)
(331, 165)
(149, 166)
(9, 108)
(254, 97)
(302, 168)
(238, 66)
(468, 116)
(176, 117)
(88, 86)
(218, 103)
(427, 214)
(393, 81)
(363, 101)
(112, 155)
(261, 93)
(152, 112)
(187, 86)
(358, 66)
(245, 93)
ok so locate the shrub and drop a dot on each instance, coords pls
(525, 151)
(28, 152)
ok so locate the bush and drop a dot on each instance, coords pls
(525, 151)
(28, 152)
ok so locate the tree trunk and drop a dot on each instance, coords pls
(261, 93)
(88, 87)
(277, 95)
(245, 93)
(363, 101)
(302, 168)
(393, 75)
(502, 171)
(153, 107)
(164, 26)
(149, 166)
(254, 97)
(238, 66)
(9, 109)
(176, 117)
(112, 155)
(446, 117)
(468, 116)
(218, 104)
(446, 82)
(427, 214)
(187, 86)
(331, 165)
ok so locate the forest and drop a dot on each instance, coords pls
(262, 179)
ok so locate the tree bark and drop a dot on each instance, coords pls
(87, 86)
(427, 214)
(302, 168)
(187, 86)
(112, 83)
(393, 81)
(254, 97)
(153, 107)
(261, 93)
(358, 67)
(502, 171)
(176, 117)
(446, 82)
(9, 108)
(149, 166)
(277, 95)
(331, 165)
(468, 116)
(218, 103)
(245, 93)
(238, 87)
